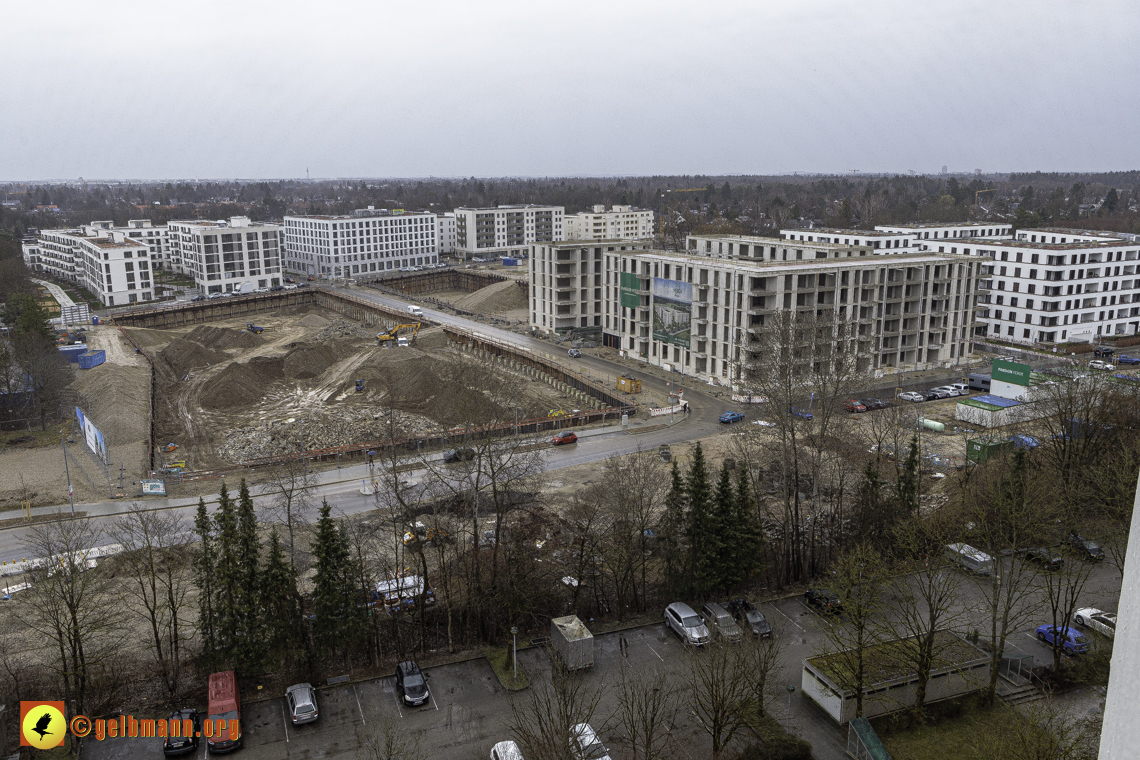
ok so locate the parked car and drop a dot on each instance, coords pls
(187, 743)
(586, 745)
(1098, 364)
(566, 436)
(1126, 359)
(276, 288)
(198, 297)
(1047, 558)
(462, 454)
(962, 388)
(507, 750)
(730, 417)
(931, 395)
(949, 390)
(1087, 548)
(912, 396)
(803, 414)
(574, 353)
(301, 699)
(750, 618)
(854, 405)
(411, 684)
(825, 599)
(1023, 441)
(212, 296)
(874, 403)
(1103, 351)
(718, 619)
(1072, 640)
(687, 624)
(937, 393)
(1102, 622)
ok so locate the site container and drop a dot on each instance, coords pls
(92, 359)
(507, 262)
(573, 642)
(72, 353)
(981, 449)
(937, 427)
(629, 384)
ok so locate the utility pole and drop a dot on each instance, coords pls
(67, 471)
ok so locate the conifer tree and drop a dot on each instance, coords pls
(704, 540)
(280, 605)
(248, 605)
(204, 567)
(673, 529)
(745, 534)
(906, 489)
(340, 620)
(227, 579)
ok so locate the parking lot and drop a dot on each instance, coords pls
(470, 711)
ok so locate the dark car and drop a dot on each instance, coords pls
(276, 288)
(198, 297)
(566, 436)
(411, 684)
(854, 405)
(937, 394)
(574, 353)
(824, 599)
(1085, 547)
(459, 455)
(803, 414)
(187, 742)
(875, 403)
(1103, 351)
(1047, 558)
(749, 618)
(1126, 359)
(931, 395)
(730, 417)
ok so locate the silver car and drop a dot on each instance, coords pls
(301, 699)
(718, 619)
(586, 745)
(687, 624)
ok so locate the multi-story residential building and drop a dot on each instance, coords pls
(878, 240)
(366, 243)
(227, 257)
(1058, 286)
(619, 223)
(505, 230)
(566, 289)
(926, 232)
(112, 266)
(701, 314)
(891, 238)
(445, 232)
(754, 248)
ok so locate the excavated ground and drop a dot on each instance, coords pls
(226, 395)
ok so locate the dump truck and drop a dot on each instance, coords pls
(255, 328)
(573, 642)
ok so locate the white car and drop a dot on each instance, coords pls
(1098, 364)
(950, 389)
(1091, 617)
(911, 396)
(586, 745)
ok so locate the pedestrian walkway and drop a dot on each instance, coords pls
(57, 293)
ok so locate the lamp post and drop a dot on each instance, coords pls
(515, 647)
(788, 722)
(67, 472)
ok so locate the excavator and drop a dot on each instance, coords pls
(391, 336)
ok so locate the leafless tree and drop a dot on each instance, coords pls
(647, 709)
(291, 496)
(156, 558)
(721, 690)
(389, 740)
(543, 717)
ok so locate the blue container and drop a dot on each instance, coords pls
(510, 262)
(94, 320)
(92, 359)
(72, 353)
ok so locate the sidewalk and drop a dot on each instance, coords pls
(57, 293)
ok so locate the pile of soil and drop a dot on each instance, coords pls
(342, 328)
(183, 355)
(236, 385)
(494, 299)
(117, 399)
(222, 338)
(307, 361)
(313, 320)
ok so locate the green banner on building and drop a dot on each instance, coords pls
(1010, 372)
(630, 284)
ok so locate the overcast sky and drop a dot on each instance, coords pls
(540, 88)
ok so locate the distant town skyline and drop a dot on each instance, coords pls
(359, 90)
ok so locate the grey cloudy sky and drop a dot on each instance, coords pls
(539, 88)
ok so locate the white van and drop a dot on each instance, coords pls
(416, 311)
(971, 559)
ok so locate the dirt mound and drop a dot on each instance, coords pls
(306, 362)
(117, 400)
(269, 368)
(493, 299)
(210, 336)
(236, 385)
(343, 328)
(183, 355)
(313, 320)
(433, 337)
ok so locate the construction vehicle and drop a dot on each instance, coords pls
(255, 328)
(555, 413)
(360, 386)
(170, 447)
(393, 336)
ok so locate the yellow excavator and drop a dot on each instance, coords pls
(392, 336)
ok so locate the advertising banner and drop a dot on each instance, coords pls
(156, 487)
(672, 311)
(92, 436)
(630, 284)
(1010, 372)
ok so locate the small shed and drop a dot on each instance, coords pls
(573, 642)
(629, 384)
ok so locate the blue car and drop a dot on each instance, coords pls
(730, 417)
(1126, 359)
(1072, 640)
(1023, 441)
(795, 411)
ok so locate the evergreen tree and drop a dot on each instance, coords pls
(726, 533)
(251, 638)
(340, 620)
(871, 507)
(204, 566)
(746, 530)
(704, 541)
(227, 579)
(673, 529)
(906, 488)
(280, 605)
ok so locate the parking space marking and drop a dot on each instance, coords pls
(433, 701)
(285, 723)
(815, 614)
(358, 707)
(396, 695)
(797, 625)
(651, 649)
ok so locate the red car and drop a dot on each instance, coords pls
(854, 405)
(566, 436)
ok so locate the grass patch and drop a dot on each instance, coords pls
(503, 665)
(28, 439)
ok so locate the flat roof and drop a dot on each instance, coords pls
(840, 231)
(780, 241)
(895, 261)
(927, 225)
(1073, 231)
(109, 243)
(1070, 246)
(506, 208)
(883, 663)
(349, 217)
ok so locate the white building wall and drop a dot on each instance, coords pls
(367, 243)
(445, 232)
(1120, 731)
(506, 230)
(227, 256)
(619, 223)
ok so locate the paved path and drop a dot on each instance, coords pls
(57, 292)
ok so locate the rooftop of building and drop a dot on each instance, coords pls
(360, 213)
(894, 261)
(758, 240)
(884, 662)
(1072, 245)
(507, 207)
(1074, 231)
(929, 225)
(840, 231)
(104, 242)
(589, 242)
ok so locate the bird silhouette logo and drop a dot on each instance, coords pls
(42, 724)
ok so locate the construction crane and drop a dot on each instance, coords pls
(392, 334)
(979, 192)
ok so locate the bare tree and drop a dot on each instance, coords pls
(291, 496)
(646, 711)
(156, 557)
(389, 740)
(721, 692)
(542, 719)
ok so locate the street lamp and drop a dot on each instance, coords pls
(515, 646)
(788, 722)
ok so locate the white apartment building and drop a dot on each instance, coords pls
(700, 314)
(112, 266)
(367, 242)
(227, 257)
(445, 232)
(878, 240)
(505, 230)
(927, 232)
(756, 248)
(619, 223)
(1058, 286)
